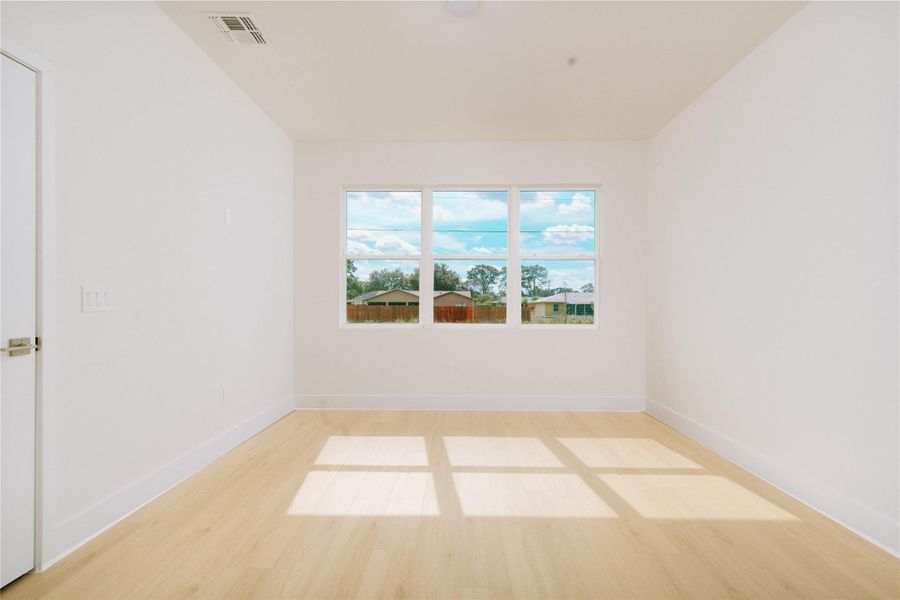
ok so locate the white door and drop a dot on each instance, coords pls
(18, 292)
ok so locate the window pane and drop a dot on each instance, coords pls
(557, 222)
(558, 292)
(470, 222)
(382, 291)
(384, 223)
(470, 291)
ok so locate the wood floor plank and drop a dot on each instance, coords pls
(406, 504)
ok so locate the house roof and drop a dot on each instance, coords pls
(370, 295)
(567, 297)
(466, 293)
(365, 296)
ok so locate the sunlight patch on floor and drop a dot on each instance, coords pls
(625, 453)
(696, 497)
(483, 451)
(360, 493)
(550, 495)
(374, 450)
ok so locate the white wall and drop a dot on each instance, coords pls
(491, 368)
(153, 142)
(773, 266)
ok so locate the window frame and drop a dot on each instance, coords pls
(513, 257)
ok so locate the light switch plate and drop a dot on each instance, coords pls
(96, 299)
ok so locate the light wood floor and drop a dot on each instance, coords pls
(470, 505)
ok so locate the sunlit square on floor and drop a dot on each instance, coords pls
(697, 497)
(374, 451)
(361, 493)
(549, 495)
(626, 453)
(485, 451)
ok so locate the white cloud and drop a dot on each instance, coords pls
(369, 242)
(573, 278)
(580, 204)
(392, 244)
(568, 234)
(443, 214)
(354, 247)
(449, 243)
(383, 209)
(540, 201)
(483, 250)
(468, 209)
(488, 209)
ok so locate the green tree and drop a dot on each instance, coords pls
(588, 287)
(484, 299)
(446, 279)
(502, 283)
(355, 287)
(388, 279)
(534, 279)
(484, 277)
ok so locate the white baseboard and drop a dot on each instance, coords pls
(80, 528)
(462, 402)
(877, 528)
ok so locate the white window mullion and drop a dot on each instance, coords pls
(514, 265)
(426, 263)
(541, 257)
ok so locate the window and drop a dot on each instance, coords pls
(449, 256)
(382, 247)
(558, 248)
(474, 225)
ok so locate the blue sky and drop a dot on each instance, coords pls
(557, 223)
(470, 222)
(384, 223)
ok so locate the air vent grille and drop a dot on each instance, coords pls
(240, 29)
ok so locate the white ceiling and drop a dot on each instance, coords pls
(411, 71)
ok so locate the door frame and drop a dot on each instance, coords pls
(45, 391)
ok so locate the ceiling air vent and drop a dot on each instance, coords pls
(240, 29)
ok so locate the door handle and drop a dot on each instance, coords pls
(21, 346)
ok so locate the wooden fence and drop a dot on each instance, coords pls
(493, 313)
(470, 314)
(364, 313)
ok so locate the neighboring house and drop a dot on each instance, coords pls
(458, 298)
(557, 305)
(411, 298)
